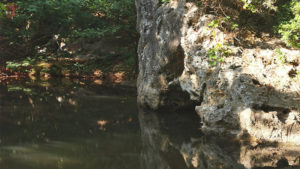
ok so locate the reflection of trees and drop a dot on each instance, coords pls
(35, 113)
(152, 141)
(100, 131)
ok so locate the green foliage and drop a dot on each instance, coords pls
(217, 54)
(2, 10)
(257, 6)
(288, 15)
(38, 21)
(281, 56)
(234, 26)
(251, 5)
(14, 65)
(289, 27)
(91, 33)
(217, 23)
(163, 1)
(214, 24)
(130, 57)
(78, 67)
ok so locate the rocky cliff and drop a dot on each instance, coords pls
(243, 79)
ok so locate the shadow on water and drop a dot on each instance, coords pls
(87, 127)
(71, 126)
(175, 142)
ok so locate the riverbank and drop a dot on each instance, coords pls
(96, 70)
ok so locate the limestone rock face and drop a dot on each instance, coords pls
(160, 53)
(253, 93)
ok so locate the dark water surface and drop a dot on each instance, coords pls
(67, 124)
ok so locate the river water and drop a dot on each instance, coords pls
(65, 124)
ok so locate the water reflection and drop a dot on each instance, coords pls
(69, 127)
(88, 127)
(163, 149)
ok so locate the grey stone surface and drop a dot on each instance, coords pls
(160, 53)
(251, 94)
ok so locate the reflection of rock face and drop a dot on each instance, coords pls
(213, 155)
(270, 156)
(152, 141)
(163, 150)
(251, 82)
(156, 153)
(210, 156)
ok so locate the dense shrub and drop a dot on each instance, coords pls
(287, 13)
(37, 21)
(289, 20)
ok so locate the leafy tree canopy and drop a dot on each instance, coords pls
(35, 22)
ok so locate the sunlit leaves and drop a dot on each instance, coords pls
(36, 21)
(2, 10)
(96, 32)
(290, 26)
(288, 15)
(217, 54)
(214, 24)
(16, 65)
